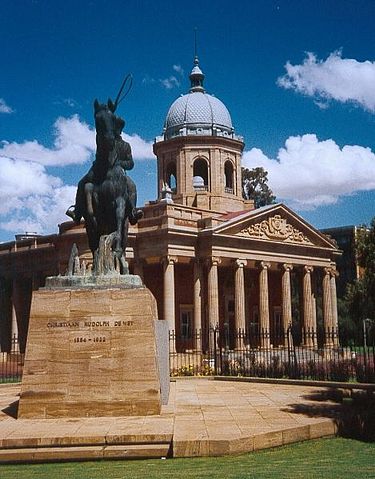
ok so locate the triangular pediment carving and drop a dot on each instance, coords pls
(274, 223)
(275, 228)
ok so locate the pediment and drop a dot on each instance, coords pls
(276, 223)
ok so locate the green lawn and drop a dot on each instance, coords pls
(324, 459)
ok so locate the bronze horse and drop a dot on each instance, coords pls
(106, 196)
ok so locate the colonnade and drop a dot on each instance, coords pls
(309, 320)
(208, 300)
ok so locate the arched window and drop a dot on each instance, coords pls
(200, 170)
(228, 173)
(171, 176)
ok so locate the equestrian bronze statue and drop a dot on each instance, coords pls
(106, 196)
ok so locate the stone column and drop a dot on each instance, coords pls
(286, 301)
(308, 314)
(198, 304)
(169, 294)
(335, 320)
(327, 307)
(5, 315)
(314, 318)
(239, 302)
(213, 292)
(14, 331)
(264, 310)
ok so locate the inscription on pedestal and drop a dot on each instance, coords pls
(91, 352)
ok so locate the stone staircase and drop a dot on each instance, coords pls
(19, 451)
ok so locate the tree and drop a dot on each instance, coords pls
(255, 187)
(360, 295)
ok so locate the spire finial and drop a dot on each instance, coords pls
(196, 75)
(195, 47)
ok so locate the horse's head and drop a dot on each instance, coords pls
(108, 125)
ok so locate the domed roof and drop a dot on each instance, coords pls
(197, 112)
(197, 108)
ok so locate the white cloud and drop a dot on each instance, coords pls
(31, 199)
(4, 108)
(141, 149)
(71, 102)
(41, 213)
(178, 69)
(336, 78)
(20, 179)
(74, 143)
(309, 173)
(170, 82)
(148, 80)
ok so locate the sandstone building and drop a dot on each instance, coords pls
(206, 254)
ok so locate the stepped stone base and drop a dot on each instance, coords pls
(91, 352)
(204, 417)
(85, 453)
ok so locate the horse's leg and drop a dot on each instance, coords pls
(80, 199)
(120, 218)
(89, 190)
(91, 226)
(125, 234)
(92, 237)
(124, 263)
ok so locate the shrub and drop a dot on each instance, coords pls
(340, 370)
(315, 370)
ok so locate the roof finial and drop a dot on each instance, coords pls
(196, 75)
(195, 46)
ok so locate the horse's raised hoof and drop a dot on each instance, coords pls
(134, 216)
(72, 213)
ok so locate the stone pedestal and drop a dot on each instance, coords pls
(91, 351)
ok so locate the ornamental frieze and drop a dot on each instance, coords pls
(276, 228)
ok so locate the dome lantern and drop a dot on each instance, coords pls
(196, 77)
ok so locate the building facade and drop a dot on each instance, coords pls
(209, 258)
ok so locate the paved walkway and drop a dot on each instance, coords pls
(203, 417)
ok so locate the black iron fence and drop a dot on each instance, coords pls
(11, 363)
(307, 355)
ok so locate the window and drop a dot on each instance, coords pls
(231, 306)
(186, 321)
(255, 315)
(277, 324)
(200, 169)
(171, 176)
(228, 173)
(253, 322)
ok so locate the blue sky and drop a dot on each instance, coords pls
(310, 122)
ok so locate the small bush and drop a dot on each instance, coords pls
(276, 370)
(340, 370)
(364, 374)
(315, 370)
(191, 370)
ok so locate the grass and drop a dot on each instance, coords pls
(321, 459)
